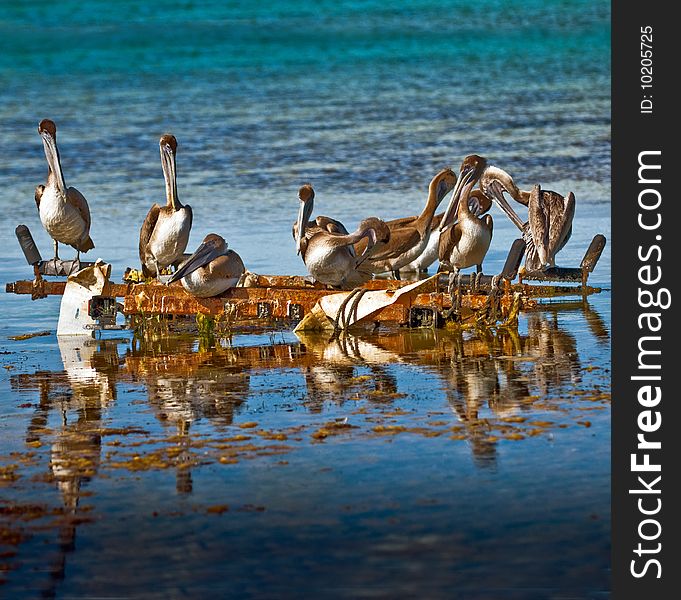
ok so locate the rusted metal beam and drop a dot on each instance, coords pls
(593, 253)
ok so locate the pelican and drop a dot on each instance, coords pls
(64, 212)
(409, 236)
(330, 257)
(550, 215)
(211, 270)
(478, 203)
(165, 231)
(308, 228)
(465, 243)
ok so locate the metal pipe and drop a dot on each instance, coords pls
(28, 246)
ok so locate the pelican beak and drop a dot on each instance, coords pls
(498, 196)
(170, 175)
(53, 161)
(465, 182)
(372, 239)
(304, 213)
(205, 253)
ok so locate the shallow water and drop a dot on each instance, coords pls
(390, 464)
(398, 463)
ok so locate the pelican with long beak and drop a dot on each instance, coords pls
(550, 215)
(303, 228)
(165, 231)
(64, 212)
(463, 243)
(331, 259)
(478, 204)
(211, 270)
(409, 236)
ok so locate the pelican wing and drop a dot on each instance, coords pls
(39, 194)
(448, 240)
(321, 223)
(331, 225)
(401, 222)
(539, 218)
(401, 241)
(560, 227)
(147, 230)
(78, 201)
(550, 218)
(228, 265)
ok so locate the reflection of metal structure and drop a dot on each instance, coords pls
(81, 393)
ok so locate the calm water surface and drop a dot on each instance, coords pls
(394, 464)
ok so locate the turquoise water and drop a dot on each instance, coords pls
(366, 100)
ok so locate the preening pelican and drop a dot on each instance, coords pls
(309, 228)
(64, 212)
(330, 257)
(478, 204)
(165, 231)
(211, 270)
(550, 215)
(409, 236)
(464, 243)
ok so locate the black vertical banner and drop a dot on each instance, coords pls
(646, 448)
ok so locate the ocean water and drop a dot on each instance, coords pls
(366, 100)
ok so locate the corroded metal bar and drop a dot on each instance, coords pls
(513, 259)
(61, 268)
(158, 296)
(554, 274)
(593, 253)
(28, 245)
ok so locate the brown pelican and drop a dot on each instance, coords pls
(309, 228)
(165, 231)
(64, 212)
(211, 270)
(550, 215)
(478, 204)
(330, 257)
(409, 236)
(464, 243)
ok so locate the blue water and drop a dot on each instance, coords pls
(366, 100)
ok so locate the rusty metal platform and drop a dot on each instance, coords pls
(266, 298)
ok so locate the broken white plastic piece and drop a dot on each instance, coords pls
(323, 314)
(74, 318)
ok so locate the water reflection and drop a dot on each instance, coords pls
(483, 387)
(486, 376)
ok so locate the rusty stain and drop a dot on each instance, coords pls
(278, 292)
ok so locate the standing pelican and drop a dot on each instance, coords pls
(165, 231)
(478, 204)
(465, 243)
(303, 228)
(211, 270)
(64, 212)
(550, 215)
(330, 257)
(409, 236)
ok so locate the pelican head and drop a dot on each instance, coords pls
(493, 183)
(470, 171)
(306, 197)
(48, 132)
(443, 183)
(168, 147)
(213, 245)
(377, 233)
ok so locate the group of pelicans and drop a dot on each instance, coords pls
(459, 237)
